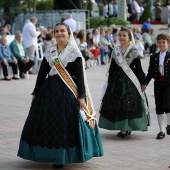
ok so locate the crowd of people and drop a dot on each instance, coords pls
(20, 52)
(99, 42)
(134, 10)
(96, 45)
(61, 126)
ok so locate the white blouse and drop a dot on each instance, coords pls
(161, 62)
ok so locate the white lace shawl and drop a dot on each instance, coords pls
(131, 55)
(69, 54)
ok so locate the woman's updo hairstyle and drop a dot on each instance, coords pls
(128, 31)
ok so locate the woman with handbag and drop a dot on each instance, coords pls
(124, 106)
(61, 126)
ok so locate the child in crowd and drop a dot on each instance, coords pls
(159, 69)
(91, 46)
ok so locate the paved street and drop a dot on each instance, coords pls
(140, 151)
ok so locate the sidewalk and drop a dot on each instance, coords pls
(140, 151)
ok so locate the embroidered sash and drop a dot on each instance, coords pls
(122, 63)
(89, 115)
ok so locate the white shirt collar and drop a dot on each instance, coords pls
(162, 54)
(162, 58)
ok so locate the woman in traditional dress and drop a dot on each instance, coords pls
(124, 106)
(61, 125)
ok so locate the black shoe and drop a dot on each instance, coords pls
(57, 166)
(168, 129)
(103, 63)
(123, 135)
(7, 79)
(15, 78)
(160, 135)
(31, 72)
(22, 76)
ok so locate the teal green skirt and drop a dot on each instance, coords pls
(136, 124)
(90, 145)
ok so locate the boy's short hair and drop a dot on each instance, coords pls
(163, 36)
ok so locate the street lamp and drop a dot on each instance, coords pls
(108, 19)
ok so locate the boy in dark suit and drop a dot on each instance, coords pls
(159, 69)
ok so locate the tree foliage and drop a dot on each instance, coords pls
(73, 4)
(7, 4)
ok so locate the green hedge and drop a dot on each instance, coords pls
(96, 22)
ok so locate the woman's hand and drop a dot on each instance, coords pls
(5, 62)
(33, 97)
(143, 88)
(15, 61)
(81, 103)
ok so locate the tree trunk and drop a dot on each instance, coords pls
(34, 5)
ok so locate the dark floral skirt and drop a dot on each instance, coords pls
(121, 100)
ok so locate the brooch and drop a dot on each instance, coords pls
(168, 60)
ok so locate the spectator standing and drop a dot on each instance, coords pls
(26, 21)
(153, 11)
(135, 10)
(110, 7)
(30, 37)
(129, 9)
(105, 10)
(115, 8)
(20, 52)
(158, 12)
(70, 22)
(141, 11)
(7, 58)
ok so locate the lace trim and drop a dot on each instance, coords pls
(131, 55)
(69, 54)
